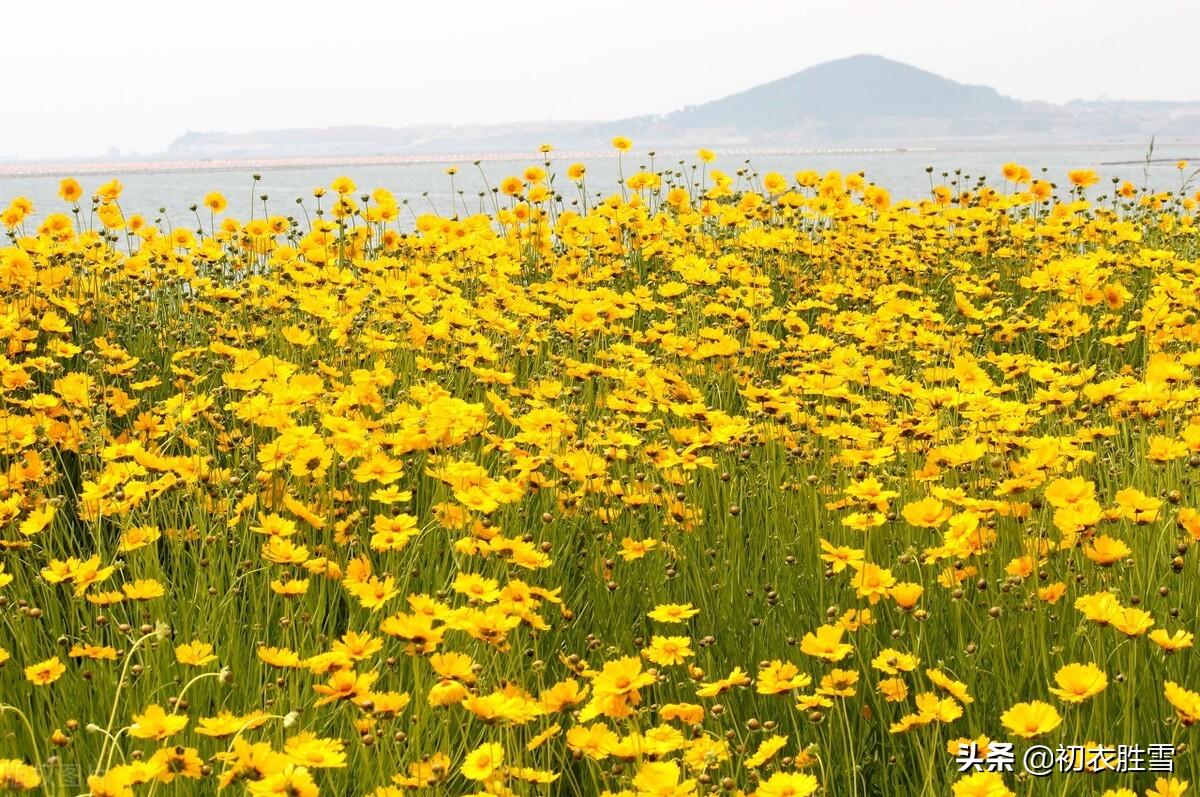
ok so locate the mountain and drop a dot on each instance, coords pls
(862, 100)
(861, 88)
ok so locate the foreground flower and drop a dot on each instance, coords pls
(482, 762)
(1078, 682)
(1185, 702)
(196, 654)
(1083, 177)
(1031, 719)
(662, 777)
(155, 723)
(982, 784)
(826, 643)
(45, 672)
(673, 612)
(17, 776)
(293, 781)
(177, 762)
(1168, 787)
(788, 784)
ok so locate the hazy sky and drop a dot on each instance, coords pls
(83, 76)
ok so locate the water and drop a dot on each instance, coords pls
(427, 188)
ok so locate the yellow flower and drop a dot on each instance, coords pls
(621, 677)
(839, 683)
(632, 549)
(173, 762)
(1028, 720)
(483, 762)
(292, 781)
(1132, 621)
(195, 653)
(69, 189)
(788, 784)
(957, 689)
(928, 512)
(1172, 642)
(1083, 177)
(476, 587)
(665, 651)
(1078, 682)
(137, 537)
(344, 685)
(215, 202)
(673, 612)
(894, 690)
(778, 677)
(981, 784)
(343, 185)
(1167, 787)
(893, 661)
(840, 557)
(722, 685)
(872, 582)
(18, 776)
(311, 751)
(766, 751)
(1185, 702)
(95, 652)
(110, 191)
(226, 723)
(826, 643)
(278, 657)
(774, 183)
(143, 589)
(512, 186)
(1099, 607)
(45, 672)
(662, 778)
(155, 723)
(906, 594)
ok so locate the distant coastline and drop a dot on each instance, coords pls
(164, 164)
(159, 165)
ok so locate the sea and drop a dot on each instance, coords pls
(167, 191)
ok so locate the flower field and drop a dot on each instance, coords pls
(728, 483)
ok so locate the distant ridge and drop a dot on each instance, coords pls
(860, 87)
(862, 100)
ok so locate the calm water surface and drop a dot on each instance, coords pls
(427, 188)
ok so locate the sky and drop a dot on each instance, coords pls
(135, 74)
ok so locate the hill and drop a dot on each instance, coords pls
(859, 88)
(860, 100)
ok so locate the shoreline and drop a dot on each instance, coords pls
(166, 165)
(160, 165)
